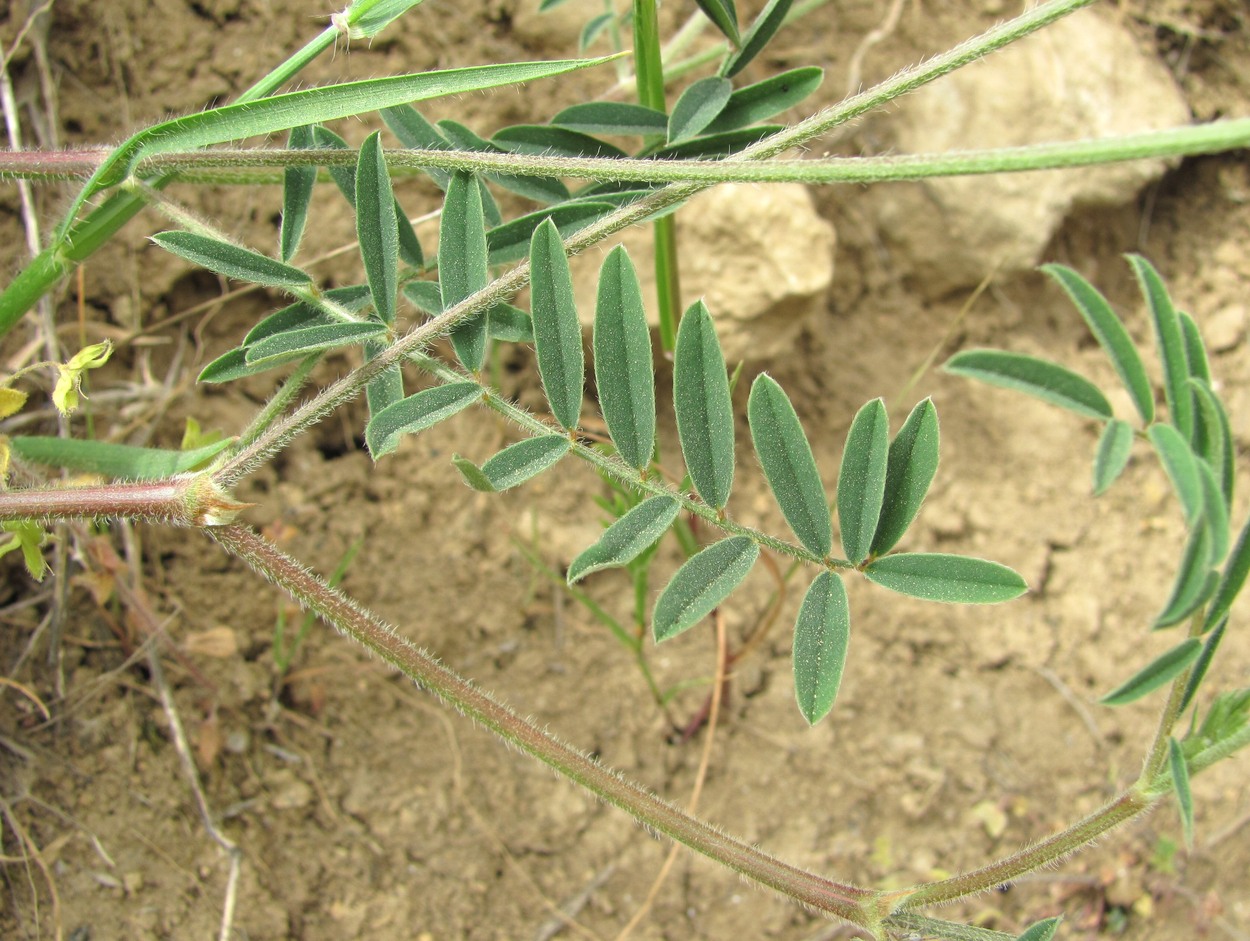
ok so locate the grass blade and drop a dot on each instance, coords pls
(910, 468)
(1111, 334)
(1181, 464)
(771, 19)
(557, 331)
(1047, 381)
(822, 635)
(515, 464)
(416, 413)
(705, 421)
(702, 583)
(861, 481)
(952, 579)
(1114, 447)
(297, 189)
(789, 467)
(624, 369)
(1160, 671)
(763, 100)
(377, 226)
(296, 344)
(698, 107)
(121, 461)
(462, 264)
(627, 538)
(242, 264)
(1171, 343)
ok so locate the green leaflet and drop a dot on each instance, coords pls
(1201, 665)
(1232, 581)
(508, 242)
(386, 389)
(1217, 438)
(462, 264)
(624, 370)
(861, 481)
(242, 264)
(723, 16)
(557, 331)
(715, 146)
(1041, 930)
(551, 141)
(765, 99)
(1180, 783)
(786, 457)
(233, 365)
(297, 188)
(1194, 579)
(416, 413)
(120, 461)
(1171, 343)
(1215, 510)
(1198, 366)
(510, 324)
(377, 226)
(416, 133)
(1111, 334)
(953, 579)
(593, 29)
(698, 107)
(705, 421)
(910, 468)
(296, 344)
(1038, 377)
(379, 14)
(539, 189)
(1181, 465)
(1114, 447)
(515, 464)
(822, 635)
(304, 314)
(1161, 670)
(771, 19)
(612, 118)
(703, 582)
(627, 538)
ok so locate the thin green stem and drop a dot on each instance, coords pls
(280, 400)
(364, 627)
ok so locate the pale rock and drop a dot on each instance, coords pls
(1082, 77)
(1225, 329)
(760, 257)
(557, 29)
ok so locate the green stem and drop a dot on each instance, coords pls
(365, 628)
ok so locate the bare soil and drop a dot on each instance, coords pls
(363, 808)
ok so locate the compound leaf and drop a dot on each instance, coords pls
(462, 264)
(698, 107)
(242, 264)
(1163, 669)
(1114, 447)
(953, 579)
(377, 227)
(703, 582)
(1171, 343)
(705, 421)
(822, 635)
(861, 481)
(624, 371)
(789, 467)
(627, 538)
(557, 331)
(1111, 334)
(417, 412)
(1038, 377)
(910, 468)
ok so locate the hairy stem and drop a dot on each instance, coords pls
(362, 626)
(175, 501)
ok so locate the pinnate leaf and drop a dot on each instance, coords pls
(242, 264)
(462, 264)
(790, 468)
(1163, 669)
(910, 468)
(557, 331)
(1114, 447)
(861, 481)
(1111, 334)
(703, 582)
(624, 371)
(1038, 377)
(953, 579)
(822, 635)
(627, 538)
(698, 107)
(705, 421)
(416, 413)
